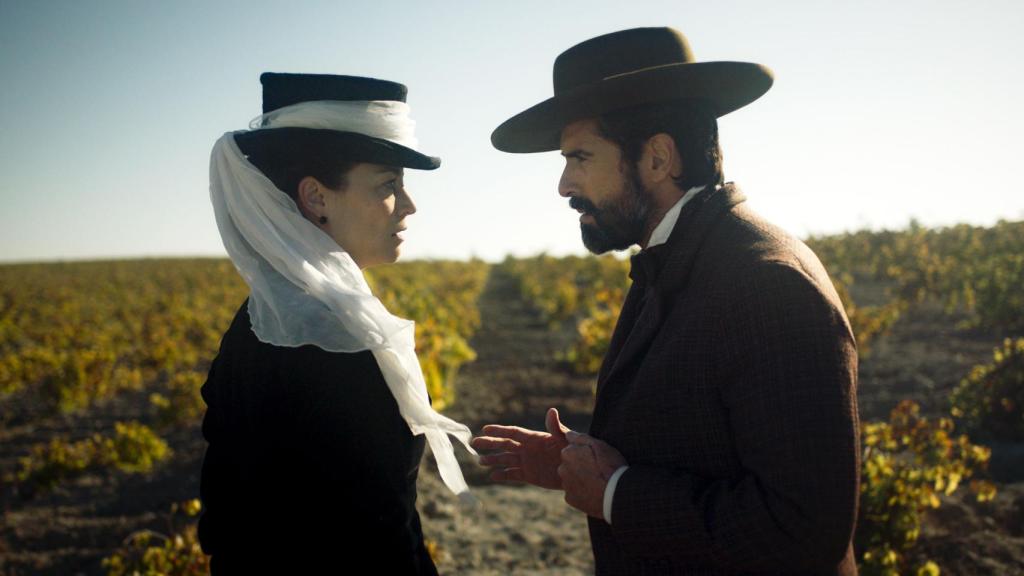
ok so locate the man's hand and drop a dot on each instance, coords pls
(525, 455)
(587, 464)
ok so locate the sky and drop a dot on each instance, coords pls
(881, 112)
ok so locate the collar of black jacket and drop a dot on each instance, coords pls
(695, 222)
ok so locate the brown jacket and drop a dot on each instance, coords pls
(730, 388)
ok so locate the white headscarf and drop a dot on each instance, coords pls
(305, 288)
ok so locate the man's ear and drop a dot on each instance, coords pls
(661, 159)
(311, 198)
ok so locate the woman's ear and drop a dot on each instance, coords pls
(311, 198)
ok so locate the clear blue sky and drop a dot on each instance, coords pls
(881, 112)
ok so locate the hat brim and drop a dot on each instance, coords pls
(727, 86)
(353, 145)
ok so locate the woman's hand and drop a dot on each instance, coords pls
(525, 455)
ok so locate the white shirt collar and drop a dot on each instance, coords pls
(664, 228)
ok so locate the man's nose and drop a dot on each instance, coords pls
(566, 187)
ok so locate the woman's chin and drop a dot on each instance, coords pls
(394, 254)
(384, 259)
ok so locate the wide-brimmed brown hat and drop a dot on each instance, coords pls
(625, 69)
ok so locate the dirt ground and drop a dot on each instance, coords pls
(517, 530)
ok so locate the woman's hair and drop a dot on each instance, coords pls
(690, 123)
(288, 156)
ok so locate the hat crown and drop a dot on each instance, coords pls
(280, 89)
(617, 53)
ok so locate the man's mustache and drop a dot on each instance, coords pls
(582, 204)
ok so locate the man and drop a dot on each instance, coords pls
(724, 437)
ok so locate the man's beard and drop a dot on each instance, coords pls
(620, 223)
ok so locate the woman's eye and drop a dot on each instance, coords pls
(391, 186)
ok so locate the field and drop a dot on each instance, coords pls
(100, 365)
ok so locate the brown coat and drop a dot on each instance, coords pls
(730, 388)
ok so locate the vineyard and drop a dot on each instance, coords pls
(101, 364)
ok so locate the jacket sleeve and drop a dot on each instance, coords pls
(788, 367)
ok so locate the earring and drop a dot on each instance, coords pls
(323, 219)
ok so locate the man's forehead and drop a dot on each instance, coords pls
(579, 132)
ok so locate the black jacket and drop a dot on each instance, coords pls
(308, 464)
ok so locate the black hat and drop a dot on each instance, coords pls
(280, 90)
(624, 69)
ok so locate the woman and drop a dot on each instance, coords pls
(317, 413)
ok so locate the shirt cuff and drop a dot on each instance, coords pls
(609, 492)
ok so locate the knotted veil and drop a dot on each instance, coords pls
(305, 289)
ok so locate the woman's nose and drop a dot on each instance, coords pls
(408, 207)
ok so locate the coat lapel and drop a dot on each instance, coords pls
(637, 324)
(631, 339)
(631, 309)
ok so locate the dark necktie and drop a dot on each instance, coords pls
(644, 269)
(646, 265)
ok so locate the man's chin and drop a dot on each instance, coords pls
(597, 241)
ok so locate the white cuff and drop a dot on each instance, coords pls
(609, 492)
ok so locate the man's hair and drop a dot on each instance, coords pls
(286, 157)
(690, 123)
